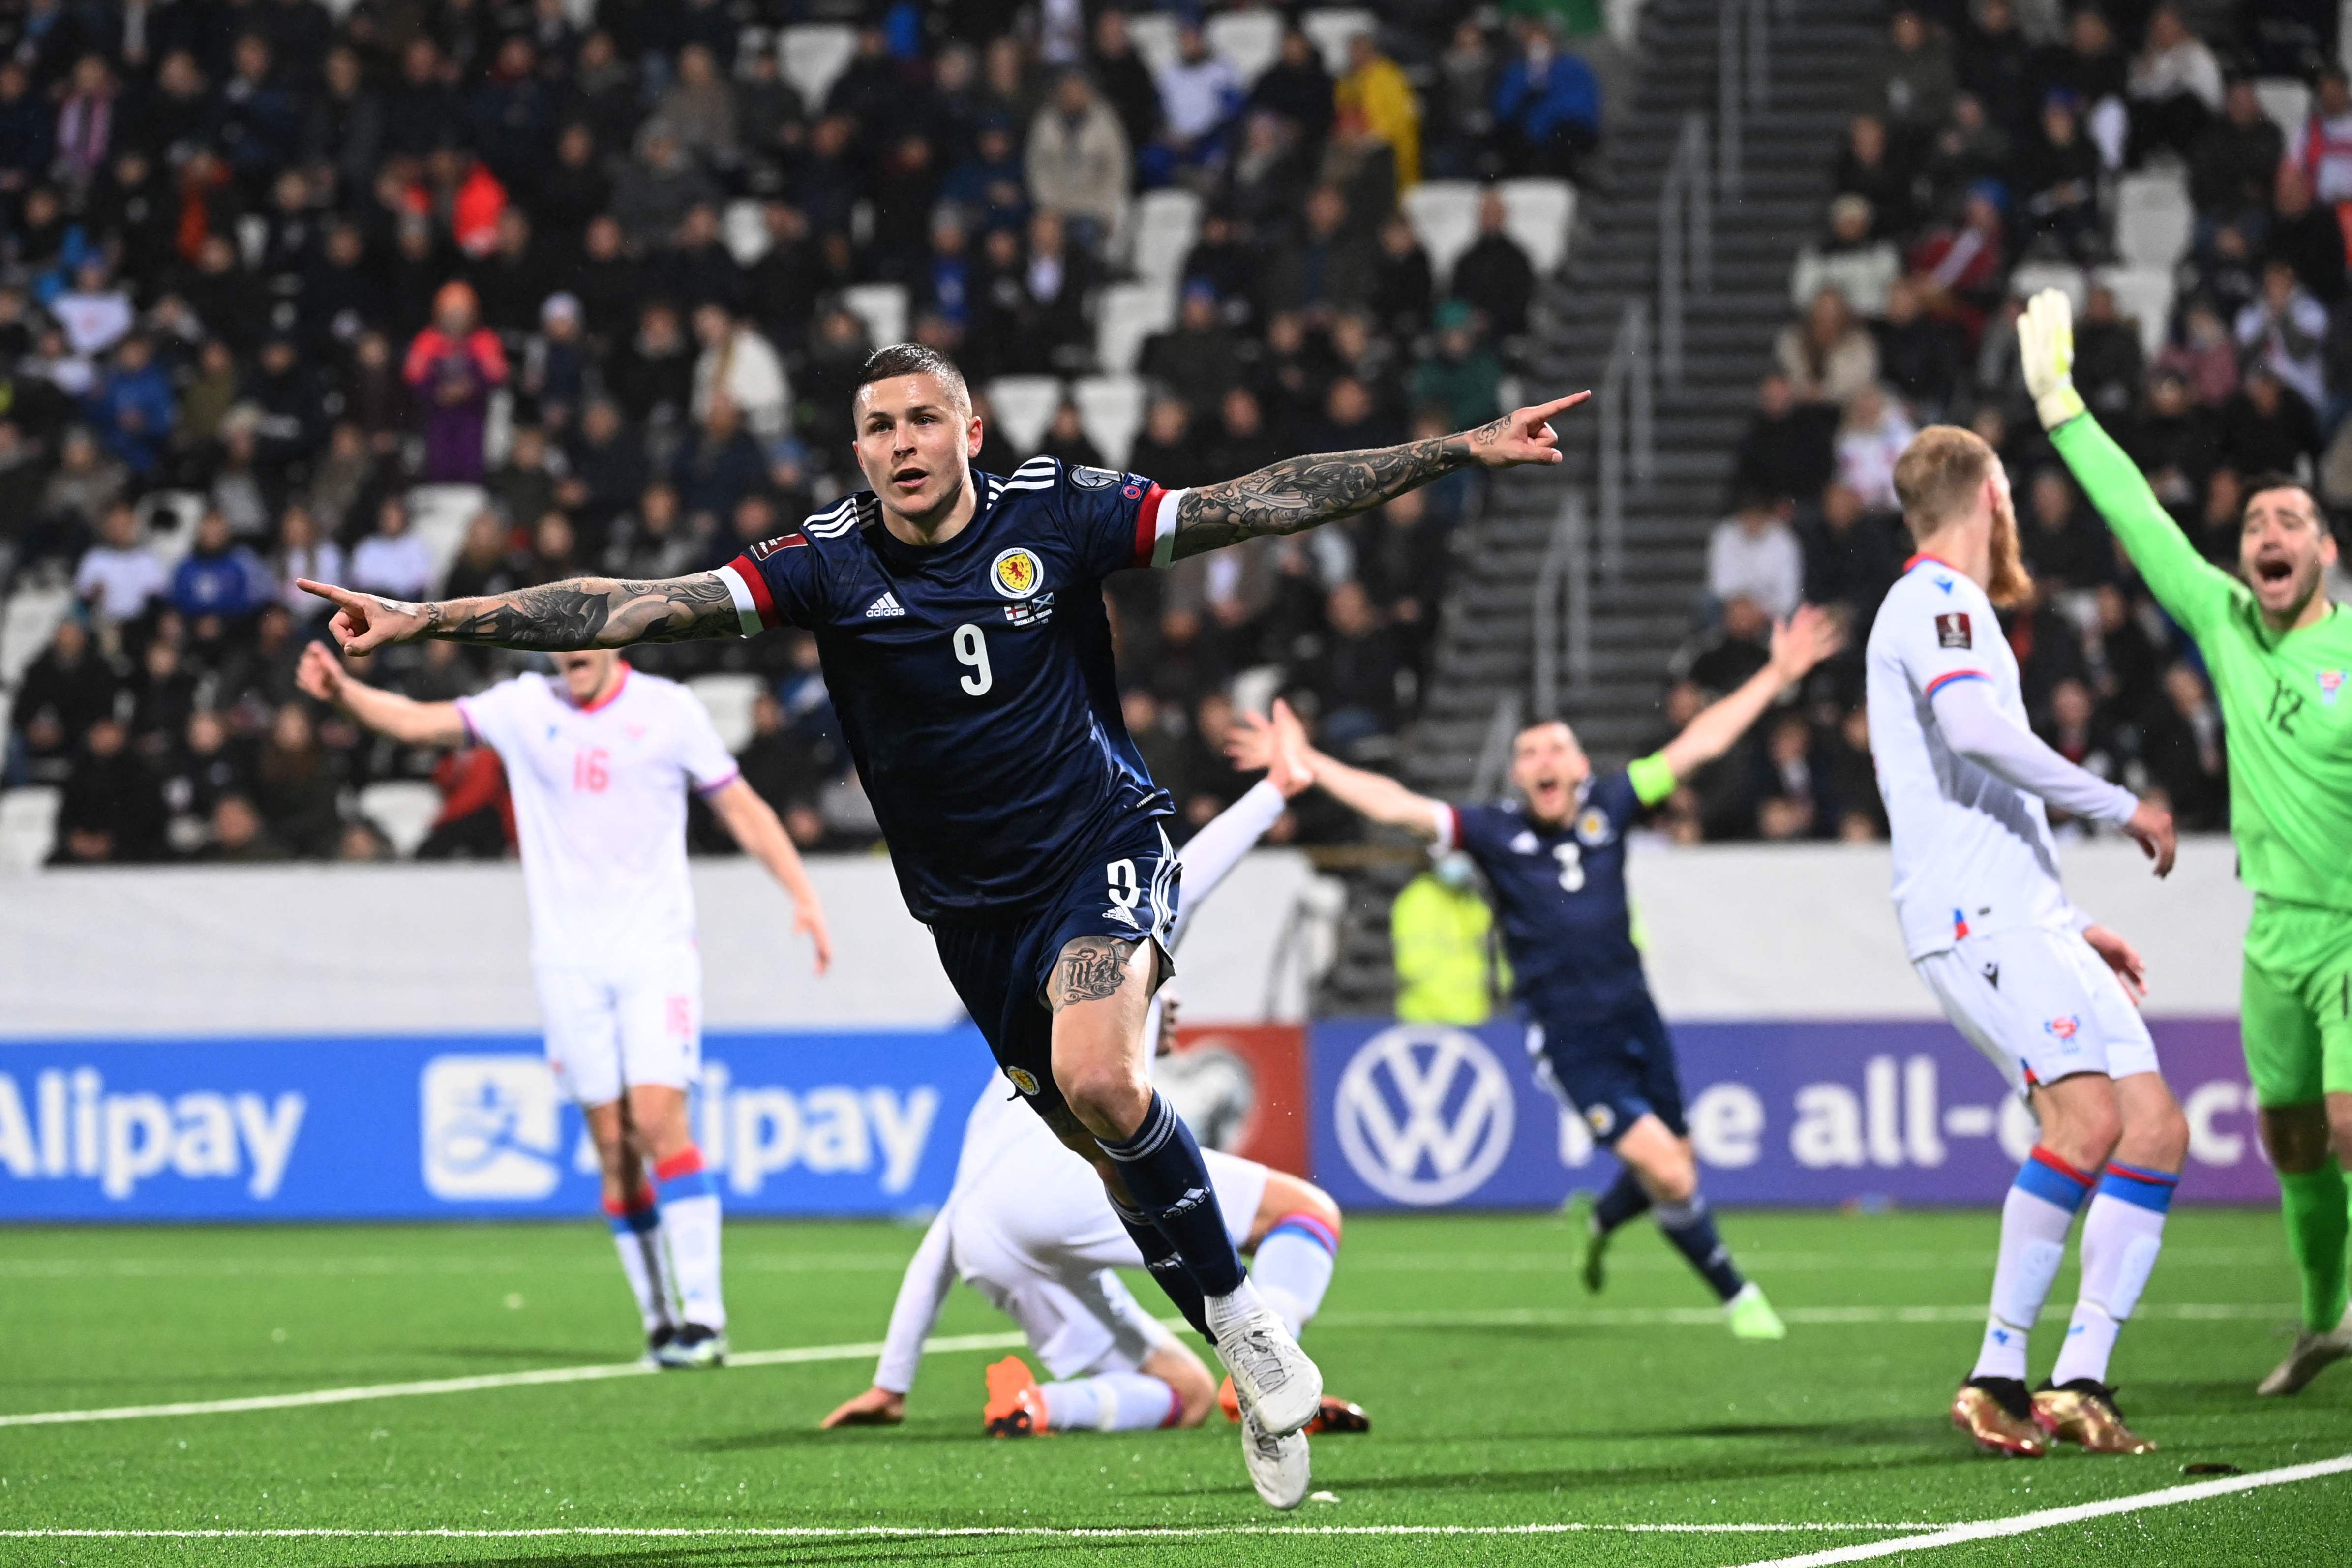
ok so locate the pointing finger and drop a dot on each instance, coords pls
(1561, 406)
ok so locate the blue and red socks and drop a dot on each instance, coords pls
(2122, 1234)
(2034, 1219)
(1293, 1268)
(636, 1235)
(689, 1216)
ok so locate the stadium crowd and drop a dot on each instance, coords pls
(1979, 163)
(274, 275)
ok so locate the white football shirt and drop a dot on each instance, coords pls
(600, 807)
(1972, 852)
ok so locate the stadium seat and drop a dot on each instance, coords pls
(882, 307)
(1444, 214)
(1153, 33)
(730, 699)
(440, 514)
(1164, 223)
(811, 55)
(1331, 29)
(1537, 214)
(1111, 407)
(2032, 277)
(1025, 406)
(403, 809)
(745, 230)
(28, 826)
(2287, 102)
(2143, 294)
(27, 621)
(2153, 217)
(169, 518)
(1249, 40)
(1126, 314)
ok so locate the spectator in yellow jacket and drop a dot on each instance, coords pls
(1376, 89)
(1440, 928)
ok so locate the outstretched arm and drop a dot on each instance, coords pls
(922, 1291)
(1799, 643)
(1255, 742)
(752, 822)
(1976, 729)
(321, 674)
(1298, 493)
(585, 612)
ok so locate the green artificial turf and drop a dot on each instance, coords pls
(1501, 1393)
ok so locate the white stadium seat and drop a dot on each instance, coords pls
(1538, 214)
(811, 55)
(2287, 102)
(28, 826)
(404, 809)
(1024, 406)
(2143, 294)
(440, 514)
(1126, 314)
(2032, 277)
(1249, 40)
(882, 307)
(1165, 223)
(170, 519)
(1153, 33)
(1111, 407)
(730, 699)
(2153, 217)
(27, 621)
(1444, 215)
(1331, 29)
(744, 227)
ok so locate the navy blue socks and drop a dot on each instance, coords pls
(1168, 1181)
(1691, 1228)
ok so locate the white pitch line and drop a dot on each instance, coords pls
(802, 1355)
(836, 1532)
(2073, 1514)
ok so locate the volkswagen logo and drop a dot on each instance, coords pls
(1424, 1114)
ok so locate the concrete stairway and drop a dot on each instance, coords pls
(1640, 615)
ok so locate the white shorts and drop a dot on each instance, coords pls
(1035, 1235)
(2041, 1004)
(610, 1028)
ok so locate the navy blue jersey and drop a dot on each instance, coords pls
(974, 678)
(1560, 894)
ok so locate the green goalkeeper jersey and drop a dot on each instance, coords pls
(2283, 695)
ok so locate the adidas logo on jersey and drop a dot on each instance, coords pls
(884, 607)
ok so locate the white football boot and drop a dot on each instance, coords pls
(1272, 1376)
(1277, 1465)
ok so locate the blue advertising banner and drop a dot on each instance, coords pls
(1424, 1116)
(458, 1127)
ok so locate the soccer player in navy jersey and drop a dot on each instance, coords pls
(1555, 866)
(967, 650)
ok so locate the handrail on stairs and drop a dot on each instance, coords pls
(1743, 81)
(1686, 236)
(1627, 427)
(1494, 750)
(1563, 610)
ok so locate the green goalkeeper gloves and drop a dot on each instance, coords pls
(2045, 345)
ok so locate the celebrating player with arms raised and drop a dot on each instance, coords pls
(1556, 864)
(966, 647)
(2032, 982)
(2279, 652)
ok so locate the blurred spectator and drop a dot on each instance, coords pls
(738, 362)
(1067, 439)
(2090, 73)
(1199, 357)
(2058, 179)
(2065, 544)
(1127, 83)
(67, 688)
(2110, 368)
(2175, 442)
(1199, 91)
(2185, 754)
(2174, 87)
(2284, 331)
(117, 578)
(239, 837)
(305, 551)
(1868, 169)
(1495, 274)
(1790, 805)
(1849, 261)
(451, 368)
(393, 560)
(1376, 91)
(1735, 650)
(1869, 439)
(1995, 64)
(1441, 933)
(1547, 107)
(2306, 236)
(1828, 356)
(2324, 150)
(1919, 355)
(1297, 90)
(1328, 268)
(1785, 451)
(1910, 80)
(2236, 158)
(1754, 555)
(295, 784)
(1356, 680)
(110, 809)
(219, 577)
(2268, 427)
(1463, 374)
(1853, 555)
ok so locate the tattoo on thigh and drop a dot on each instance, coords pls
(1090, 968)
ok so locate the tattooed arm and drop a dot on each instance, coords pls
(1300, 492)
(586, 612)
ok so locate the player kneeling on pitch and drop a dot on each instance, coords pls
(598, 762)
(1555, 865)
(1024, 1228)
(2035, 984)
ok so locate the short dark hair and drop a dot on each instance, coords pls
(894, 360)
(2277, 479)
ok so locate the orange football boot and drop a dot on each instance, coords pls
(2083, 1411)
(1015, 1407)
(1998, 1415)
(1335, 1415)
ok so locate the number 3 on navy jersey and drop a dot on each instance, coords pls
(1570, 856)
(972, 649)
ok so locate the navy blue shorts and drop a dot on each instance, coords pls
(999, 967)
(1609, 1069)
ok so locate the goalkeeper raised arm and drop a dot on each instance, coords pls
(2280, 653)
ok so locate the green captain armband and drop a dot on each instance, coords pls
(1652, 779)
